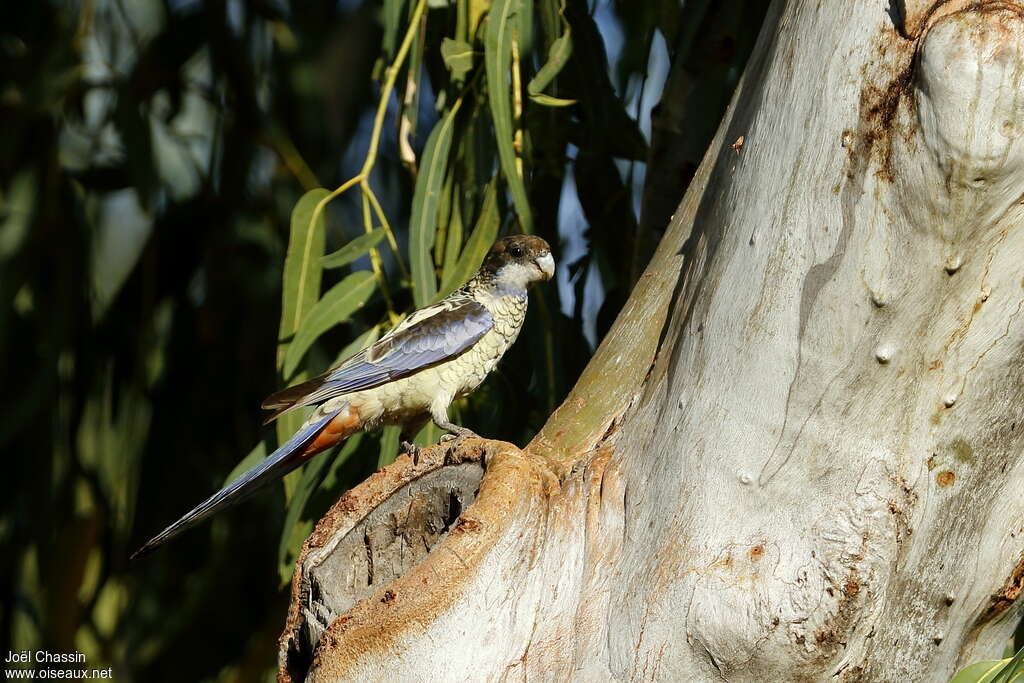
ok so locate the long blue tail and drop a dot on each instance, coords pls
(277, 464)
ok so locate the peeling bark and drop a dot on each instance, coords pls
(797, 453)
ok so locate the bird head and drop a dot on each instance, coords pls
(517, 261)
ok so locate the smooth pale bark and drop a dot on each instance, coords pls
(798, 453)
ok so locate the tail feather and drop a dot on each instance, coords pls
(290, 455)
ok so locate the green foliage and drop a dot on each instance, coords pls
(458, 56)
(558, 54)
(499, 48)
(162, 268)
(423, 223)
(336, 306)
(1009, 670)
(353, 250)
(479, 242)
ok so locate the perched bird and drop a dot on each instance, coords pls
(409, 376)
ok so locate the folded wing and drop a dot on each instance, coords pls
(429, 336)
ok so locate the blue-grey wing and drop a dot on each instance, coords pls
(429, 336)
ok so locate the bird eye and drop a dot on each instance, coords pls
(517, 252)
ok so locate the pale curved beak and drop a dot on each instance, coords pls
(547, 265)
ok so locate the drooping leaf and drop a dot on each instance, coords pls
(445, 205)
(391, 17)
(457, 56)
(301, 283)
(453, 243)
(497, 59)
(423, 221)
(558, 55)
(340, 301)
(524, 26)
(353, 250)
(549, 101)
(480, 240)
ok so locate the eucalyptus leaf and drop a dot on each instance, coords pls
(391, 17)
(549, 101)
(453, 243)
(301, 283)
(524, 27)
(353, 250)
(445, 206)
(980, 672)
(423, 221)
(340, 302)
(558, 55)
(498, 59)
(457, 56)
(479, 242)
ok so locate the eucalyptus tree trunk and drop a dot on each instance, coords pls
(798, 453)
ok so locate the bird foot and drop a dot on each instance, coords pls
(457, 436)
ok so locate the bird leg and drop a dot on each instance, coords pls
(456, 433)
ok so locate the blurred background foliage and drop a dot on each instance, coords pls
(151, 169)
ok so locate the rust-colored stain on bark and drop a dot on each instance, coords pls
(851, 589)
(1008, 594)
(878, 114)
(945, 478)
(757, 552)
(463, 524)
(933, 461)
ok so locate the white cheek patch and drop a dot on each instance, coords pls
(516, 275)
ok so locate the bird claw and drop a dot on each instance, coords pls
(412, 450)
(455, 438)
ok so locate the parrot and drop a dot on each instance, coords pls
(408, 377)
